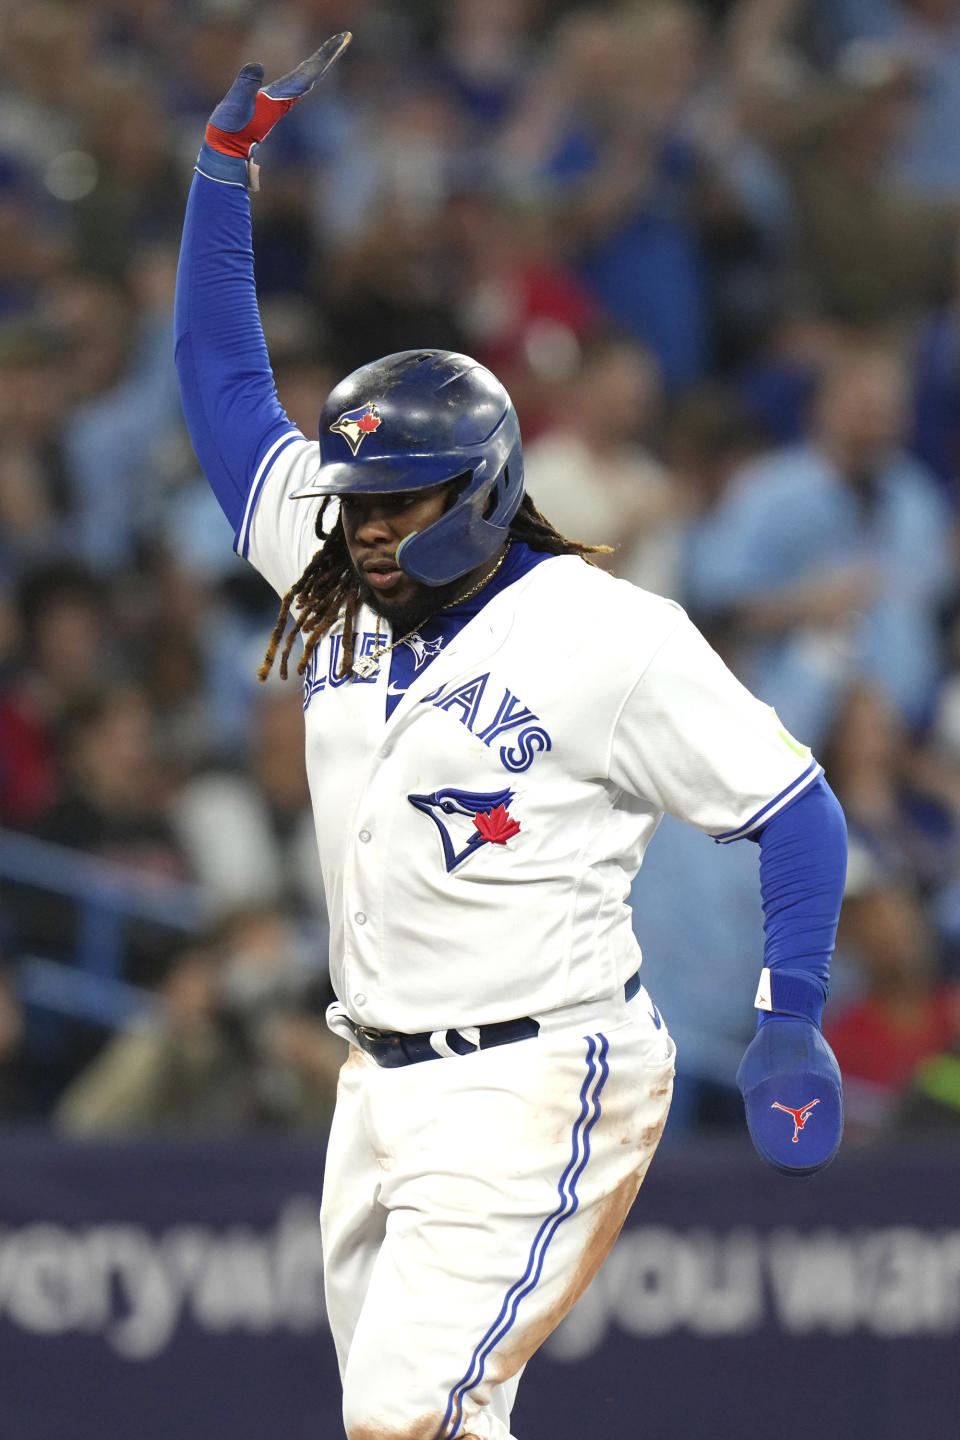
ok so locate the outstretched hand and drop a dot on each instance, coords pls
(249, 110)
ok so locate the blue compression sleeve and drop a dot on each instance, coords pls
(803, 861)
(226, 385)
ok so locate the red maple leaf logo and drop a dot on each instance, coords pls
(496, 825)
(368, 423)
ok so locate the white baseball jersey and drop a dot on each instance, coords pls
(477, 848)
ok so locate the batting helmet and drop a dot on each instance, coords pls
(419, 418)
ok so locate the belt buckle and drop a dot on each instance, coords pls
(368, 1032)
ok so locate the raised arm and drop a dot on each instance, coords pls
(226, 385)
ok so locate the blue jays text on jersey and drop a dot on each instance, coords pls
(489, 717)
(319, 673)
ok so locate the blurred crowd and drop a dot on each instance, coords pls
(712, 249)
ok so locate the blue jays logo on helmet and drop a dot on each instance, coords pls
(449, 808)
(356, 425)
(422, 418)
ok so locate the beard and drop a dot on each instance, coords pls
(414, 611)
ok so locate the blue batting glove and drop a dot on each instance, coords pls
(789, 1077)
(791, 1087)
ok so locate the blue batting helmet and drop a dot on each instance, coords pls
(416, 419)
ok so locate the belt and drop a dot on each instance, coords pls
(391, 1048)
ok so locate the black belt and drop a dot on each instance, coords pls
(391, 1048)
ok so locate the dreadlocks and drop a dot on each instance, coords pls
(535, 530)
(329, 585)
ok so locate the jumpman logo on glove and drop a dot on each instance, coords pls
(800, 1117)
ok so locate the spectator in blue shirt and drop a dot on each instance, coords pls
(830, 559)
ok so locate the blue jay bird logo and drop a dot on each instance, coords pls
(356, 425)
(449, 808)
(423, 650)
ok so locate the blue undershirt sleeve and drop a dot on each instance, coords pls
(226, 385)
(803, 861)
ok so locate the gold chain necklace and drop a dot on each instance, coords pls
(368, 665)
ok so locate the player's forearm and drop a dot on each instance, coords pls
(803, 853)
(229, 399)
(226, 385)
(789, 1074)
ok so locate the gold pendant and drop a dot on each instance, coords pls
(365, 667)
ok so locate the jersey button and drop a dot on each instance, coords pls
(359, 998)
(364, 837)
(360, 918)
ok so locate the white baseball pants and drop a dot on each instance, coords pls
(469, 1201)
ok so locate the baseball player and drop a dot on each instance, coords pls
(494, 728)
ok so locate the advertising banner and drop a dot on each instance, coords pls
(176, 1290)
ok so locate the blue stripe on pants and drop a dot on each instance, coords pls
(597, 1071)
